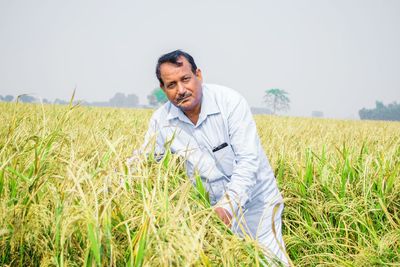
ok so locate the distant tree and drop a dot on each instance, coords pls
(60, 101)
(8, 98)
(131, 100)
(45, 101)
(117, 100)
(277, 100)
(120, 100)
(152, 100)
(157, 97)
(27, 98)
(390, 112)
(1, 98)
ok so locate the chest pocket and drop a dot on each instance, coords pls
(225, 159)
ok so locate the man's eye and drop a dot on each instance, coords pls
(171, 85)
(186, 79)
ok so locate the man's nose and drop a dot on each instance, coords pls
(181, 89)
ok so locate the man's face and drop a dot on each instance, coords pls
(181, 85)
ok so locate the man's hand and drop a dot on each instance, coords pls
(224, 215)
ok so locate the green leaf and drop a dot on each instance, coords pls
(94, 244)
(204, 196)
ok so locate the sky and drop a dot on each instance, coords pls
(334, 56)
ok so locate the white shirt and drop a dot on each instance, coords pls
(240, 171)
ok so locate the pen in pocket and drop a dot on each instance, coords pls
(221, 146)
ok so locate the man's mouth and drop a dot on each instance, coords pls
(181, 100)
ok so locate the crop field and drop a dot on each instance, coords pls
(68, 197)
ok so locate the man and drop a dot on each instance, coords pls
(213, 129)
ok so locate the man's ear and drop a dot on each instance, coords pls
(162, 86)
(199, 75)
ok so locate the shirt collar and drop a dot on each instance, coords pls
(173, 112)
(208, 107)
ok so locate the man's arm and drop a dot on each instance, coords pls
(152, 143)
(246, 146)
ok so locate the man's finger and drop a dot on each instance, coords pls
(224, 215)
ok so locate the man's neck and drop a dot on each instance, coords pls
(194, 114)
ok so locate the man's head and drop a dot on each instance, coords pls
(180, 80)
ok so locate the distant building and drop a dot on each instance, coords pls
(260, 111)
(317, 114)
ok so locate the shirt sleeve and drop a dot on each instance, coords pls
(153, 143)
(246, 146)
(153, 140)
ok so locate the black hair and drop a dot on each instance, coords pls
(173, 57)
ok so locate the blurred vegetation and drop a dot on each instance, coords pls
(118, 100)
(391, 112)
(157, 97)
(277, 100)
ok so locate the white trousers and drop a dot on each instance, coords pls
(262, 222)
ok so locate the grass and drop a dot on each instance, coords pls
(69, 199)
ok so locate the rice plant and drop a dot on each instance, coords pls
(68, 197)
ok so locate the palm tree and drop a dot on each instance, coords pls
(277, 99)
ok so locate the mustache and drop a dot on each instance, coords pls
(183, 97)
